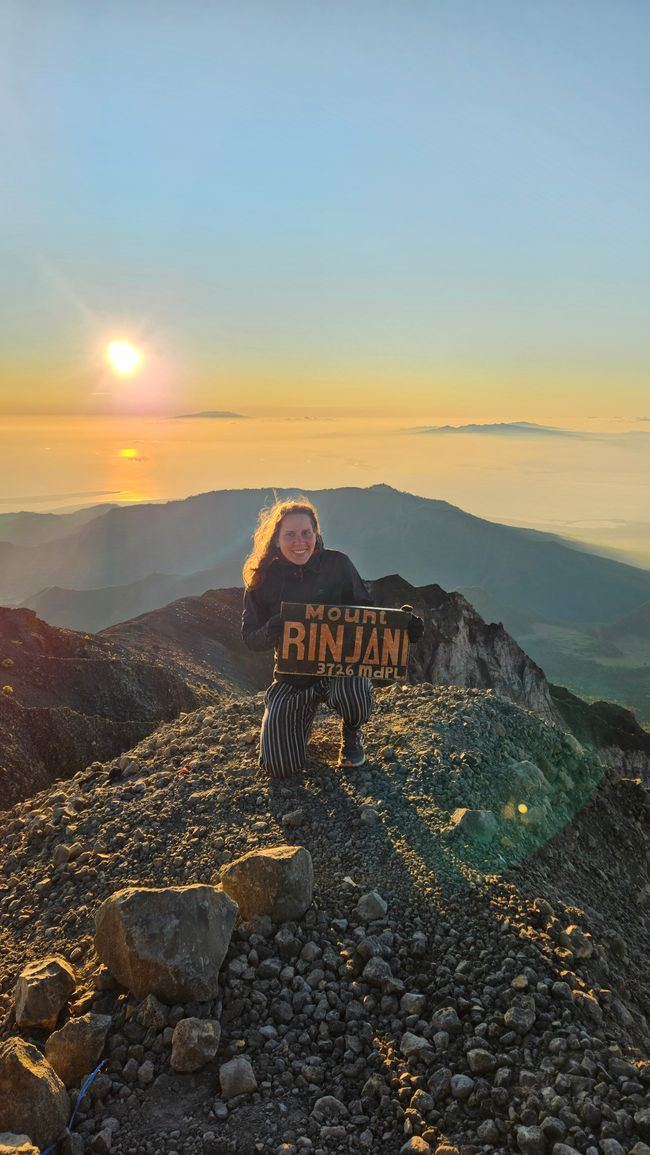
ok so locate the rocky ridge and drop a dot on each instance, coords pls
(72, 698)
(488, 995)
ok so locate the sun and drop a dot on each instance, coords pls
(123, 357)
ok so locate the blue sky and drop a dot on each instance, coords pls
(442, 197)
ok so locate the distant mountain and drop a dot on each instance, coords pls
(96, 609)
(430, 540)
(508, 428)
(36, 528)
(633, 627)
(217, 413)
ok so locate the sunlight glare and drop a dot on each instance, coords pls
(123, 357)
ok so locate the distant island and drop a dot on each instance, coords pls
(499, 427)
(220, 413)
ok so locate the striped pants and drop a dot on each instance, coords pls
(290, 711)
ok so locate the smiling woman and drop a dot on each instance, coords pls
(123, 357)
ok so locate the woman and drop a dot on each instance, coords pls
(289, 563)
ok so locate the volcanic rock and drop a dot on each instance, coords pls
(237, 1078)
(33, 1099)
(168, 941)
(42, 990)
(74, 1050)
(194, 1043)
(277, 881)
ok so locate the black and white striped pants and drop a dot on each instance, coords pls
(289, 714)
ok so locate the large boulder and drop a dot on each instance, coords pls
(33, 1100)
(73, 1051)
(168, 941)
(42, 990)
(277, 881)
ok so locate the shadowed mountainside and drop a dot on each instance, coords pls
(69, 699)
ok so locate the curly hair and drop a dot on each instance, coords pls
(265, 537)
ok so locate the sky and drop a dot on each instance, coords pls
(399, 207)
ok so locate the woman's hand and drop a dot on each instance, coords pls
(415, 627)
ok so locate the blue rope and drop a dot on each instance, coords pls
(52, 1147)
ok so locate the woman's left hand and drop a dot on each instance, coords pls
(415, 628)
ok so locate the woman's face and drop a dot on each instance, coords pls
(296, 538)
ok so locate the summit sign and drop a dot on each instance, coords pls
(343, 641)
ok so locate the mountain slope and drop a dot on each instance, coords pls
(515, 969)
(69, 699)
(431, 539)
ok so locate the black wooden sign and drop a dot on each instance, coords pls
(342, 641)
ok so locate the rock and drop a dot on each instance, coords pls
(481, 1062)
(412, 1003)
(16, 1144)
(371, 906)
(564, 1149)
(277, 881)
(73, 1051)
(33, 1099)
(581, 945)
(642, 1120)
(103, 1142)
(146, 1073)
(488, 1132)
(479, 825)
(237, 1078)
(194, 1043)
(611, 1147)
(328, 1107)
(531, 1141)
(42, 990)
(414, 1045)
(521, 1015)
(377, 973)
(528, 777)
(168, 941)
(369, 816)
(152, 1013)
(416, 1145)
(446, 1019)
(293, 819)
(461, 1086)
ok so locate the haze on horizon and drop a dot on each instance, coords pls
(421, 209)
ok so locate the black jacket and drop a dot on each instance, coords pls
(328, 578)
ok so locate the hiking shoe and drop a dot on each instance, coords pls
(352, 752)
